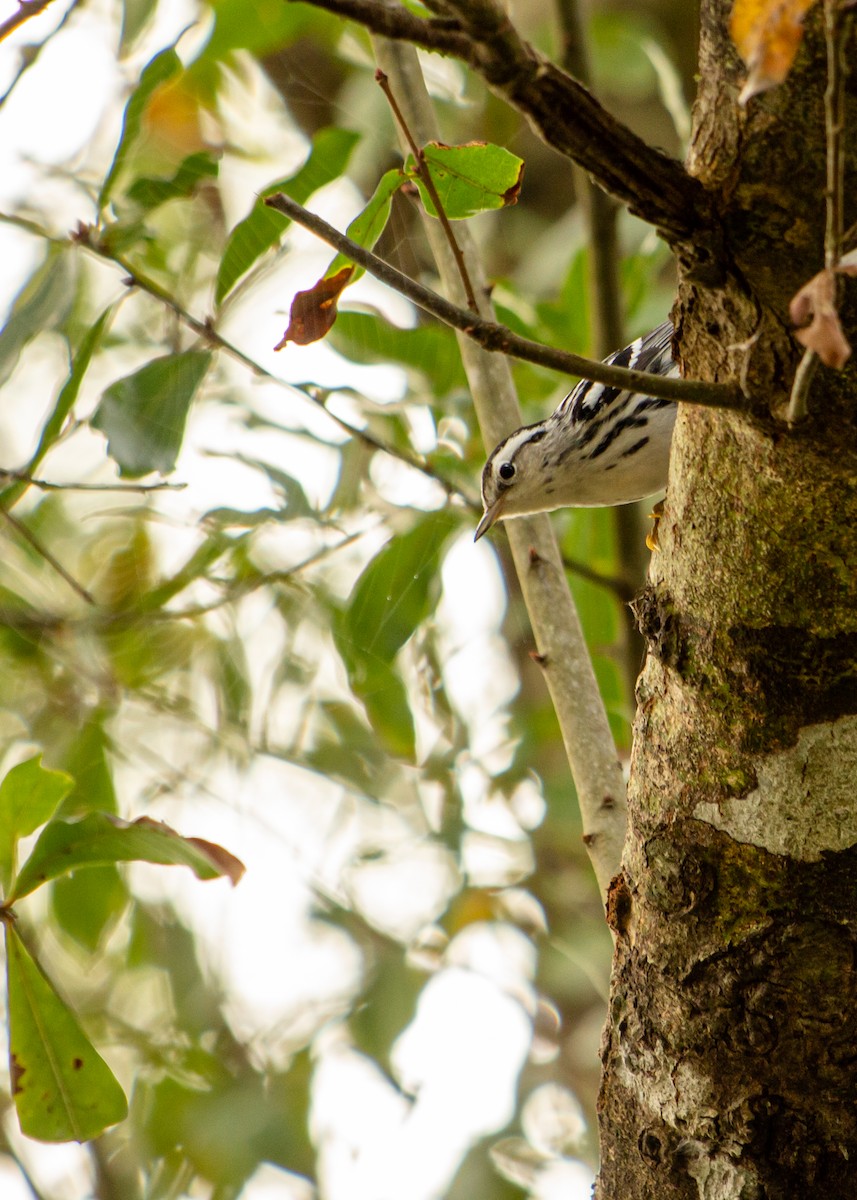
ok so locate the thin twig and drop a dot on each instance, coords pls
(31, 57)
(46, 485)
(26, 10)
(495, 337)
(836, 26)
(797, 408)
(835, 23)
(41, 623)
(425, 175)
(556, 627)
(29, 537)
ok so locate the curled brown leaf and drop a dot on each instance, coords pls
(313, 311)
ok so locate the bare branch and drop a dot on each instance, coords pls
(26, 10)
(492, 336)
(46, 485)
(654, 186)
(562, 650)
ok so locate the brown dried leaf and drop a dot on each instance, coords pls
(767, 34)
(313, 312)
(817, 300)
(226, 863)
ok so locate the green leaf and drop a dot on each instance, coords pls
(366, 338)
(42, 302)
(269, 26)
(369, 224)
(161, 68)
(398, 589)
(102, 838)
(63, 406)
(88, 904)
(385, 699)
(29, 795)
(262, 228)
(149, 193)
(86, 761)
(143, 415)
(63, 1089)
(469, 179)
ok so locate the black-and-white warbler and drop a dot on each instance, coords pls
(602, 446)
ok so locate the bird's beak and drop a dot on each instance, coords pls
(492, 514)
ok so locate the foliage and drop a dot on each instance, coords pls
(284, 618)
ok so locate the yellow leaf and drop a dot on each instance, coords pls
(767, 34)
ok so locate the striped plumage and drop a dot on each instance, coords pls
(601, 446)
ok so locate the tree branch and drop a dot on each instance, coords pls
(26, 10)
(492, 336)
(562, 650)
(653, 185)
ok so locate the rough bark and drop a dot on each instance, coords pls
(730, 1054)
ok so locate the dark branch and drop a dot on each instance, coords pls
(26, 10)
(492, 336)
(653, 185)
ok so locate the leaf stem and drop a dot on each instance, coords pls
(425, 175)
(43, 552)
(837, 26)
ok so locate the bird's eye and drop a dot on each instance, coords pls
(506, 470)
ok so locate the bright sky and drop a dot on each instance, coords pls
(460, 1058)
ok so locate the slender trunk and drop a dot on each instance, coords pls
(730, 1055)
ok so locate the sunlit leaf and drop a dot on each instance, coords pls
(469, 179)
(195, 567)
(370, 223)
(136, 15)
(62, 1088)
(767, 34)
(64, 404)
(271, 25)
(29, 796)
(385, 699)
(102, 838)
(228, 1127)
(195, 169)
(263, 227)
(396, 592)
(398, 589)
(87, 904)
(161, 68)
(143, 415)
(86, 761)
(43, 301)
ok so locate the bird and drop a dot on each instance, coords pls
(601, 446)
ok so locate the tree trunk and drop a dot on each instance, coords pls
(730, 1055)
